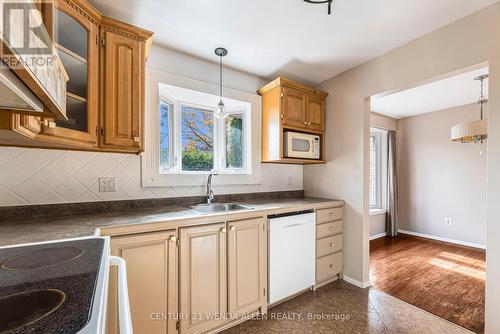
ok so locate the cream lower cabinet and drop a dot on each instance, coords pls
(152, 282)
(247, 266)
(329, 245)
(203, 278)
(197, 283)
(223, 273)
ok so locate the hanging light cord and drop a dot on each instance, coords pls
(220, 77)
(482, 101)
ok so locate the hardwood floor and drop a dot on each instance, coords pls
(441, 278)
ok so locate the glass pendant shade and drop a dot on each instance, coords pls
(220, 110)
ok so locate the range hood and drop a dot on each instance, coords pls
(32, 77)
(15, 95)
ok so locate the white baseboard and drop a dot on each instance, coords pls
(357, 283)
(377, 236)
(453, 241)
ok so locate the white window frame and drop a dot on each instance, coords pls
(150, 171)
(378, 172)
(219, 139)
(382, 154)
(223, 147)
(178, 141)
(171, 134)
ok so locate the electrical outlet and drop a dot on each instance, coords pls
(447, 221)
(107, 184)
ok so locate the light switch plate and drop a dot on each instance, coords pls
(107, 184)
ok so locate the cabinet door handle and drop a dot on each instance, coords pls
(173, 238)
(332, 245)
(331, 228)
(232, 228)
(331, 266)
(332, 214)
(223, 230)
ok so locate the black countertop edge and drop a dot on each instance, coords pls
(26, 212)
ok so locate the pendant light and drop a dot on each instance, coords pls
(219, 112)
(473, 131)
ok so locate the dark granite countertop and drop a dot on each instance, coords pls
(44, 228)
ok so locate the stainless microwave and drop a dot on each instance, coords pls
(301, 145)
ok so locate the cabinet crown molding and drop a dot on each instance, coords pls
(281, 81)
(125, 29)
(85, 9)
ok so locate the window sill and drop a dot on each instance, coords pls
(375, 212)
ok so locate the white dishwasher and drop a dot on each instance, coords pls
(292, 260)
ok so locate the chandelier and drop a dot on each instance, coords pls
(473, 131)
(329, 2)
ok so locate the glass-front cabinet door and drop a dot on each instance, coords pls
(75, 36)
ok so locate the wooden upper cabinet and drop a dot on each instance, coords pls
(152, 281)
(294, 107)
(290, 106)
(104, 61)
(315, 112)
(203, 278)
(15, 128)
(247, 265)
(121, 122)
(75, 32)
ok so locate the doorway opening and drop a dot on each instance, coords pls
(427, 196)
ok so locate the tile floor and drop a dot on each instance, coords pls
(352, 310)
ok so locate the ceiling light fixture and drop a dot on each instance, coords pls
(220, 52)
(329, 2)
(473, 131)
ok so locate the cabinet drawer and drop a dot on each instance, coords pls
(327, 229)
(328, 266)
(329, 245)
(328, 215)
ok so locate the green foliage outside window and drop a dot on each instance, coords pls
(234, 141)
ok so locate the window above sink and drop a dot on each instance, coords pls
(194, 141)
(185, 141)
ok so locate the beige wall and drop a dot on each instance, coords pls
(383, 121)
(467, 42)
(441, 179)
(377, 224)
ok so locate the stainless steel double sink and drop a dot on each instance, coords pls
(219, 207)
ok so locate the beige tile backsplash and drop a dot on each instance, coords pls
(35, 176)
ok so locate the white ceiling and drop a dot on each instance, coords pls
(289, 37)
(451, 92)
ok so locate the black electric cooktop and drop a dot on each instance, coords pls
(48, 288)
